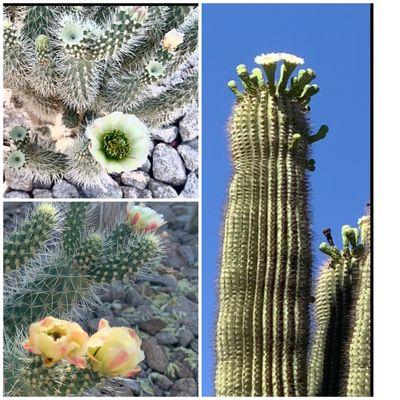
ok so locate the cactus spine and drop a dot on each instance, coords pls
(262, 329)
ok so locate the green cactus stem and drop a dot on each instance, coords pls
(358, 379)
(264, 287)
(29, 238)
(75, 221)
(61, 380)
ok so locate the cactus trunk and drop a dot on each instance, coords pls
(262, 328)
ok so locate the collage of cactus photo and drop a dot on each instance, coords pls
(188, 200)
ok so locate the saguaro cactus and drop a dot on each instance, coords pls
(340, 354)
(262, 329)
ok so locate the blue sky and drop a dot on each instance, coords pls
(334, 41)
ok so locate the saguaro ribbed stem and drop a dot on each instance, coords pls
(262, 328)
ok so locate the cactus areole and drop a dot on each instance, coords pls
(264, 289)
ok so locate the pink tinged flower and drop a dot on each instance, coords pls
(54, 339)
(172, 40)
(115, 351)
(143, 219)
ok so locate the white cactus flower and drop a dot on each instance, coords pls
(172, 40)
(272, 58)
(71, 33)
(119, 142)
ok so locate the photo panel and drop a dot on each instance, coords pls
(286, 283)
(101, 101)
(100, 299)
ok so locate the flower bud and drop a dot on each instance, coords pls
(115, 351)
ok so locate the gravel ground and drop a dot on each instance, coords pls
(171, 170)
(162, 306)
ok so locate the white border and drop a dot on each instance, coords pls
(386, 191)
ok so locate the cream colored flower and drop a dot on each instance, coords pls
(115, 351)
(172, 40)
(272, 58)
(119, 142)
(143, 219)
(267, 59)
(55, 339)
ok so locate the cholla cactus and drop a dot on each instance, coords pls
(97, 60)
(55, 266)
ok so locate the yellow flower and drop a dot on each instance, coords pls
(172, 40)
(55, 339)
(115, 351)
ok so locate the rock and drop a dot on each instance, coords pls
(155, 355)
(192, 323)
(189, 252)
(190, 191)
(138, 179)
(185, 337)
(145, 311)
(133, 385)
(17, 194)
(146, 166)
(168, 166)
(152, 326)
(146, 194)
(19, 180)
(166, 338)
(183, 305)
(190, 273)
(176, 259)
(130, 192)
(166, 135)
(42, 193)
(162, 191)
(188, 126)
(190, 156)
(162, 280)
(115, 306)
(63, 189)
(193, 144)
(108, 188)
(184, 370)
(151, 148)
(194, 345)
(40, 185)
(133, 298)
(185, 387)
(160, 380)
